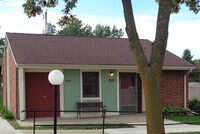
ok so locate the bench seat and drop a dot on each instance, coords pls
(89, 106)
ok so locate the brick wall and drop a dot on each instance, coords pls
(4, 79)
(13, 86)
(172, 88)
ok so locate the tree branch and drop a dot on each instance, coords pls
(134, 40)
(160, 43)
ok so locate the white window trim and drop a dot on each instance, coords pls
(81, 88)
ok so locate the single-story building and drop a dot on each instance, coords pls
(95, 69)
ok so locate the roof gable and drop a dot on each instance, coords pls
(52, 49)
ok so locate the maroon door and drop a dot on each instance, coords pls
(39, 94)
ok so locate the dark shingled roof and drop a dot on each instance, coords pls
(68, 50)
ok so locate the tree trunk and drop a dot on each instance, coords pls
(150, 71)
(153, 110)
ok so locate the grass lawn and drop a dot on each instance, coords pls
(186, 133)
(185, 119)
(17, 126)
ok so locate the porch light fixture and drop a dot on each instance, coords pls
(111, 73)
(56, 78)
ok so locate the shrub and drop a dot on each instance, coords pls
(6, 114)
(194, 104)
(174, 110)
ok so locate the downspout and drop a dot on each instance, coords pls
(185, 91)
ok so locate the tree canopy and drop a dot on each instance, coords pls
(194, 74)
(150, 70)
(76, 27)
(187, 55)
(107, 31)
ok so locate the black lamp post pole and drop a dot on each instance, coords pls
(55, 109)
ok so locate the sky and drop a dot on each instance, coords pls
(184, 27)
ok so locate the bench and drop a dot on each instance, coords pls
(89, 106)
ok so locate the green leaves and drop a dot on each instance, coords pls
(34, 7)
(70, 4)
(193, 5)
(75, 27)
(194, 74)
(188, 56)
(106, 31)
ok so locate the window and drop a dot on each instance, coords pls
(90, 84)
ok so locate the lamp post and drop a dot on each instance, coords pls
(56, 78)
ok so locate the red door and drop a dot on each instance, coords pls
(39, 94)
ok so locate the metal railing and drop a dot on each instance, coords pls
(194, 112)
(37, 111)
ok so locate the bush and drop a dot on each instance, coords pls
(174, 110)
(6, 114)
(194, 104)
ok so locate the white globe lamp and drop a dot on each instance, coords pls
(56, 77)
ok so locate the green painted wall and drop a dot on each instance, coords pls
(72, 92)
(109, 89)
(71, 88)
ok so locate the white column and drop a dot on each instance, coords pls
(22, 98)
(117, 73)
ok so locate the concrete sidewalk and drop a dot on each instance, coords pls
(6, 128)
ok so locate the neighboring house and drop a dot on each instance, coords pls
(194, 90)
(87, 63)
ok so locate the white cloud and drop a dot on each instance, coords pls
(13, 4)
(182, 34)
(185, 34)
(145, 24)
(17, 21)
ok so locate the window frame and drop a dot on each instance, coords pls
(90, 98)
